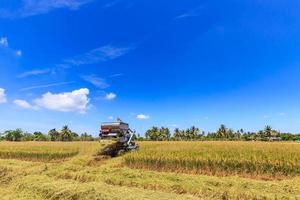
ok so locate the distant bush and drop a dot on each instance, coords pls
(53, 135)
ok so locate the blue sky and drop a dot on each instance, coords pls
(164, 63)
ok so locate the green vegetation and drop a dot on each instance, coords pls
(223, 133)
(53, 135)
(158, 134)
(87, 176)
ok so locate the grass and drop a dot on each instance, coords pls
(85, 176)
(257, 160)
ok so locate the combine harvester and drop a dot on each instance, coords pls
(120, 131)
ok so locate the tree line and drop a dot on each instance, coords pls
(65, 134)
(158, 134)
(223, 133)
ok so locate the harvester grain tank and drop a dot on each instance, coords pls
(113, 129)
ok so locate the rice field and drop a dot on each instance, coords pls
(160, 170)
(254, 159)
(32, 151)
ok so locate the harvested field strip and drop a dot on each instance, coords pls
(219, 158)
(206, 187)
(39, 187)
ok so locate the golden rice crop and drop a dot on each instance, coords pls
(220, 158)
(44, 151)
(84, 176)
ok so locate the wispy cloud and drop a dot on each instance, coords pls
(96, 81)
(36, 7)
(111, 4)
(24, 104)
(34, 73)
(266, 116)
(3, 42)
(2, 96)
(5, 46)
(190, 13)
(94, 56)
(101, 54)
(46, 86)
(116, 75)
(173, 125)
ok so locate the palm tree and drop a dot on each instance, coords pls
(230, 133)
(268, 131)
(242, 131)
(178, 134)
(164, 134)
(66, 134)
(54, 134)
(222, 132)
(153, 133)
(193, 133)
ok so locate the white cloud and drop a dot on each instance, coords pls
(110, 96)
(96, 81)
(34, 73)
(2, 96)
(142, 116)
(3, 42)
(75, 101)
(97, 55)
(19, 53)
(110, 117)
(46, 86)
(24, 104)
(35, 7)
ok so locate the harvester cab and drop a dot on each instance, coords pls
(120, 131)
